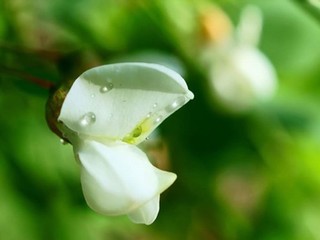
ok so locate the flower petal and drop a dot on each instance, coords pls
(243, 78)
(117, 179)
(123, 101)
(249, 29)
(147, 213)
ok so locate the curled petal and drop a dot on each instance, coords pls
(123, 101)
(118, 179)
(147, 213)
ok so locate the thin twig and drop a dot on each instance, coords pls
(50, 55)
(43, 83)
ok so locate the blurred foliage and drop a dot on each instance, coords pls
(251, 175)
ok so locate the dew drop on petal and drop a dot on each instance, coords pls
(155, 105)
(93, 95)
(103, 89)
(158, 119)
(87, 119)
(106, 88)
(180, 101)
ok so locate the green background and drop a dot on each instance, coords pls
(254, 175)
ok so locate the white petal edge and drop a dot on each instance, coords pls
(118, 179)
(121, 98)
(147, 213)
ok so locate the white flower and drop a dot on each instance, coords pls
(241, 74)
(107, 112)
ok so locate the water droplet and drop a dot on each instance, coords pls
(87, 119)
(158, 119)
(62, 141)
(93, 95)
(106, 88)
(155, 105)
(148, 115)
(176, 104)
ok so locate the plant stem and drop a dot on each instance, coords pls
(43, 83)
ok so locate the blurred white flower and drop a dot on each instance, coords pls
(107, 112)
(240, 74)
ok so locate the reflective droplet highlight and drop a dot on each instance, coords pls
(63, 142)
(106, 88)
(158, 119)
(155, 105)
(87, 119)
(179, 102)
